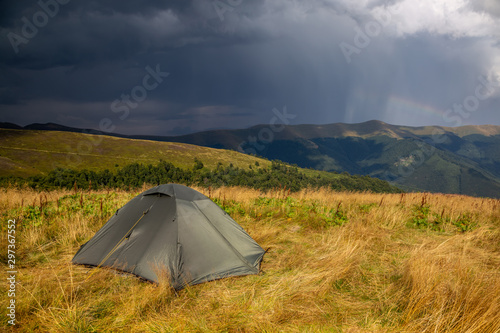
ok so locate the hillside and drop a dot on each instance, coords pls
(335, 262)
(462, 160)
(54, 159)
(27, 153)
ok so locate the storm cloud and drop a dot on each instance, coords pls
(230, 62)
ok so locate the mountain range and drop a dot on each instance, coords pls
(462, 160)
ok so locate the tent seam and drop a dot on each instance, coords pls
(225, 239)
(149, 245)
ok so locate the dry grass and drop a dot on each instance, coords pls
(337, 262)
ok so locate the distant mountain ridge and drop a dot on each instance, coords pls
(463, 160)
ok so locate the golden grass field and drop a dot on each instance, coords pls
(336, 262)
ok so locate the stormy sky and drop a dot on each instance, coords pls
(176, 67)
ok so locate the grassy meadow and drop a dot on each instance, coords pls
(27, 153)
(33, 157)
(336, 262)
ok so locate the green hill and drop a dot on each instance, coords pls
(462, 160)
(50, 159)
(28, 153)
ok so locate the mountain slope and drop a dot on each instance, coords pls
(110, 161)
(464, 160)
(26, 153)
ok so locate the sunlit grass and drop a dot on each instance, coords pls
(336, 261)
(29, 153)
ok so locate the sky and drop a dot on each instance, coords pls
(177, 67)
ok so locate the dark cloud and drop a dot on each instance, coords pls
(230, 66)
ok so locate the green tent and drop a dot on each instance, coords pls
(177, 229)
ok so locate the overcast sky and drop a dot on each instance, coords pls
(176, 67)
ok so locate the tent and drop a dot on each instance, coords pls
(175, 229)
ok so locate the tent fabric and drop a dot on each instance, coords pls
(174, 228)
